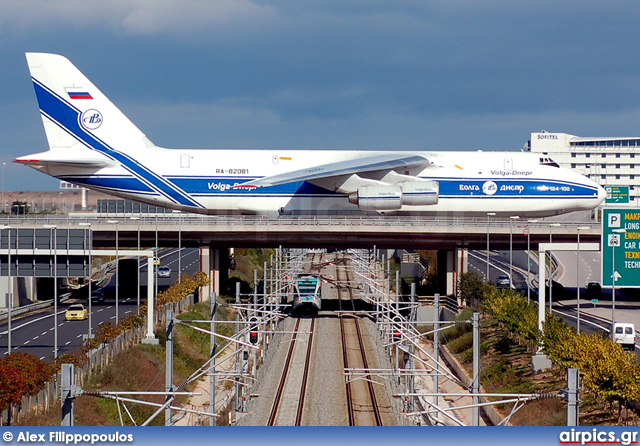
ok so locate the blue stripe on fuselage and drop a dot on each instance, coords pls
(67, 117)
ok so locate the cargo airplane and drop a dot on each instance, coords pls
(93, 144)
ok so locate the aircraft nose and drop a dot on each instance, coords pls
(602, 194)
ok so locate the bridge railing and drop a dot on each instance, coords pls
(99, 221)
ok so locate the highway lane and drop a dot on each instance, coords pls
(34, 332)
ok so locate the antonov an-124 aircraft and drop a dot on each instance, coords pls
(93, 144)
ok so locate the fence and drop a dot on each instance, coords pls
(99, 357)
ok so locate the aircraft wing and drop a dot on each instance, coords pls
(378, 163)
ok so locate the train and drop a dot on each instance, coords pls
(307, 295)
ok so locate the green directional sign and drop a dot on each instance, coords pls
(621, 247)
(617, 194)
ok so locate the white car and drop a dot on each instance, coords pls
(502, 281)
(624, 334)
(164, 271)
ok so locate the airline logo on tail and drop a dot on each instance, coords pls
(91, 119)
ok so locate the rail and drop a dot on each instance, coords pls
(100, 221)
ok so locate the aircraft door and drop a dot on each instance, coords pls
(508, 164)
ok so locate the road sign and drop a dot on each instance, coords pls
(617, 194)
(621, 234)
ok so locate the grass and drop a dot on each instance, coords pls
(140, 368)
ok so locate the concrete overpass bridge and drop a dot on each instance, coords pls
(321, 232)
(452, 237)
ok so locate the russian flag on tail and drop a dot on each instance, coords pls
(79, 95)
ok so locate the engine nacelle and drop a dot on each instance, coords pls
(420, 193)
(393, 196)
(378, 198)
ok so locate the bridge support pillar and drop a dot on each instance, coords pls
(451, 263)
(215, 264)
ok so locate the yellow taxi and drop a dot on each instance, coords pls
(76, 312)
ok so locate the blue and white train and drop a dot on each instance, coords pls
(307, 293)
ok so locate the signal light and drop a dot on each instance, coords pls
(253, 337)
(396, 335)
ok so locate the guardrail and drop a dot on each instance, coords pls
(4, 315)
(100, 221)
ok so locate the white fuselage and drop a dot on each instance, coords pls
(470, 183)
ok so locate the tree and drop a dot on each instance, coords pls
(472, 288)
(13, 386)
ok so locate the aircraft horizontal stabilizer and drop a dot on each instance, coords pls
(361, 165)
(40, 163)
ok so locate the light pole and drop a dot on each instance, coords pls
(551, 270)
(489, 214)
(90, 271)
(615, 241)
(578, 275)
(512, 218)
(117, 268)
(138, 273)
(529, 261)
(4, 208)
(53, 235)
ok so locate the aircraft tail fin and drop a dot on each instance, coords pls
(76, 115)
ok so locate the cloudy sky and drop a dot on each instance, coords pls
(352, 74)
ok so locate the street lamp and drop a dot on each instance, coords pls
(512, 218)
(53, 235)
(90, 271)
(117, 268)
(529, 261)
(4, 208)
(615, 241)
(578, 275)
(551, 271)
(138, 273)
(489, 214)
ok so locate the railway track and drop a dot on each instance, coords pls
(293, 386)
(362, 405)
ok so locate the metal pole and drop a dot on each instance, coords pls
(578, 280)
(90, 270)
(573, 402)
(9, 292)
(55, 292)
(236, 381)
(212, 375)
(613, 283)
(117, 276)
(66, 395)
(475, 388)
(168, 384)
(413, 349)
(486, 279)
(436, 348)
(528, 266)
(511, 253)
(179, 247)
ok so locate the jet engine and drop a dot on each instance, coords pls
(391, 197)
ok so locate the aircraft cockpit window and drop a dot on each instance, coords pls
(548, 162)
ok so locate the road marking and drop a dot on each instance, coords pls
(31, 322)
(67, 343)
(26, 342)
(35, 337)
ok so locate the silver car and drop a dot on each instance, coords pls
(164, 271)
(502, 280)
